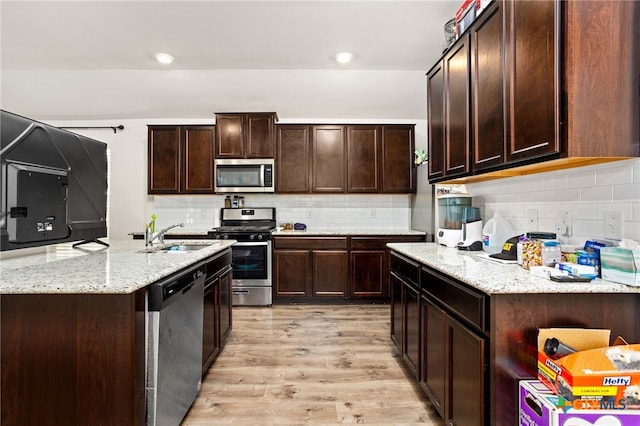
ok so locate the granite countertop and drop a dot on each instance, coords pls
(327, 231)
(492, 277)
(122, 268)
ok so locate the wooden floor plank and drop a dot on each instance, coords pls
(306, 364)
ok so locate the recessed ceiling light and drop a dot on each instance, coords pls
(164, 58)
(344, 57)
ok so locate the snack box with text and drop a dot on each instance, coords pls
(596, 375)
(538, 406)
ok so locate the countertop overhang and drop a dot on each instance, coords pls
(122, 268)
(493, 277)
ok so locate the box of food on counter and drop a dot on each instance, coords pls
(538, 406)
(620, 265)
(580, 366)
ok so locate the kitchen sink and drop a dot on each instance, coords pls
(177, 248)
(185, 247)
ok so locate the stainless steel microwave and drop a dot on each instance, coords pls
(244, 175)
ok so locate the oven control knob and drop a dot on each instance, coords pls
(259, 236)
(252, 237)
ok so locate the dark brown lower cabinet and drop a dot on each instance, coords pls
(474, 347)
(217, 319)
(453, 363)
(333, 268)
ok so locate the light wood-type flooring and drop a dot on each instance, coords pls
(310, 364)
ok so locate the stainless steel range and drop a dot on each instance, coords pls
(251, 255)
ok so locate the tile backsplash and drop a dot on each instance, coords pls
(586, 193)
(336, 212)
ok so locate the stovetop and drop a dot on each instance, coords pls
(246, 224)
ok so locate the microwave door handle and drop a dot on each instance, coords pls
(262, 167)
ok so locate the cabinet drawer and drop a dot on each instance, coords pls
(310, 243)
(406, 268)
(464, 302)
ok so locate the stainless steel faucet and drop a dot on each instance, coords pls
(150, 237)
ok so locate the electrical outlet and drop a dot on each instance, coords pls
(532, 220)
(373, 212)
(613, 225)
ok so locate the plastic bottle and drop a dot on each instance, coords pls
(495, 232)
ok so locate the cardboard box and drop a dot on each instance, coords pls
(620, 265)
(597, 375)
(538, 406)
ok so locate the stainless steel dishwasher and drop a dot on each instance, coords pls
(174, 349)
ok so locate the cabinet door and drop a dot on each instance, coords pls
(466, 378)
(533, 58)
(328, 156)
(291, 273)
(435, 120)
(457, 132)
(395, 288)
(293, 158)
(363, 158)
(411, 323)
(367, 274)
(433, 376)
(330, 273)
(487, 82)
(163, 160)
(230, 136)
(224, 308)
(259, 140)
(197, 146)
(209, 325)
(398, 170)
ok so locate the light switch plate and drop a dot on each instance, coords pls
(613, 225)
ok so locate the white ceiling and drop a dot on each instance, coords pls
(94, 59)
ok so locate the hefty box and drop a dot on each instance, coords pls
(581, 367)
(620, 265)
(538, 406)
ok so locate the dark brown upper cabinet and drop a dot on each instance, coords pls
(364, 149)
(549, 88)
(328, 159)
(488, 120)
(245, 135)
(293, 158)
(180, 159)
(448, 85)
(397, 161)
(358, 158)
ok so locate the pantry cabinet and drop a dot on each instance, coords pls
(550, 87)
(245, 135)
(180, 159)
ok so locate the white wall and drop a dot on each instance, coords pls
(586, 193)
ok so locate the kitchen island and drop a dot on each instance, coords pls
(73, 329)
(467, 326)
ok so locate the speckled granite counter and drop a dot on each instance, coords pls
(314, 232)
(495, 278)
(122, 268)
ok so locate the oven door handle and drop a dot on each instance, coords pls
(257, 243)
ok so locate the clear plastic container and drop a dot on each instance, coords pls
(495, 232)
